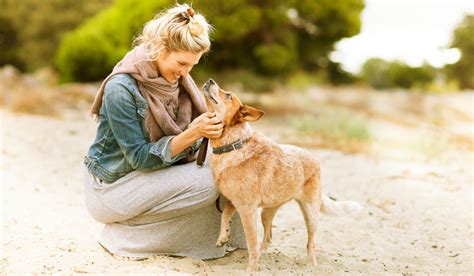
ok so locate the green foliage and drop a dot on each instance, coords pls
(37, 27)
(266, 53)
(88, 61)
(90, 52)
(404, 76)
(279, 37)
(381, 74)
(301, 80)
(375, 72)
(463, 39)
(248, 81)
(273, 38)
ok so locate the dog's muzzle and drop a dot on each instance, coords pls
(207, 89)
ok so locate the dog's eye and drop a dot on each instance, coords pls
(228, 96)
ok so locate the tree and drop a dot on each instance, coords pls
(35, 28)
(272, 37)
(463, 39)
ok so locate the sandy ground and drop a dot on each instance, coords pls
(417, 217)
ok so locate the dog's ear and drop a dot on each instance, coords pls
(250, 114)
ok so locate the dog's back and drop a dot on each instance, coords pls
(266, 174)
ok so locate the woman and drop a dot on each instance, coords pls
(140, 181)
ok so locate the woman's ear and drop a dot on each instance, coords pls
(250, 114)
(164, 53)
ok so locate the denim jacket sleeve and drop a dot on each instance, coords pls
(121, 114)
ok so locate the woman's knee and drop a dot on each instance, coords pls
(101, 213)
(97, 208)
(203, 184)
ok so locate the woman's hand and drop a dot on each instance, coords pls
(207, 125)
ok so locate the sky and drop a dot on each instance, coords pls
(413, 31)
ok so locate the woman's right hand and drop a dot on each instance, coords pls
(207, 125)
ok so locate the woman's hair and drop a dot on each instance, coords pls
(176, 29)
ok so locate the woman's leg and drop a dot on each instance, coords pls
(155, 195)
(170, 211)
(95, 202)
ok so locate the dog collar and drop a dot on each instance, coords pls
(230, 147)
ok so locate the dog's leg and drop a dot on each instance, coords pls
(226, 216)
(267, 218)
(247, 216)
(311, 216)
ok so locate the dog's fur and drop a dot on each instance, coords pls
(263, 174)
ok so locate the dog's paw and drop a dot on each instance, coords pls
(312, 261)
(221, 241)
(264, 247)
(252, 269)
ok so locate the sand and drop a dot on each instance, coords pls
(417, 217)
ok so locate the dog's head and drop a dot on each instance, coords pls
(227, 106)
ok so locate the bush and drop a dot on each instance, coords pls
(90, 52)
(375, 72)
(381, 74)
(78, 61)
(402, 75)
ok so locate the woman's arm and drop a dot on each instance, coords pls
(206, 125)
(120, 111)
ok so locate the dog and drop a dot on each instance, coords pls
(253, 172)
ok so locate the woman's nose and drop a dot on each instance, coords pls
(184, 72)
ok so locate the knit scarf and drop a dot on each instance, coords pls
(171, 107)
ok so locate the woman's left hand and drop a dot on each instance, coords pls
(207, 125)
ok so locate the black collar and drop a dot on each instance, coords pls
(230, 147)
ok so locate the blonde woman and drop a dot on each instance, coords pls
(140, 181)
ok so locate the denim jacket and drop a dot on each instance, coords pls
(122, 143)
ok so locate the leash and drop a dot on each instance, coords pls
(202, 152)
(200, 161)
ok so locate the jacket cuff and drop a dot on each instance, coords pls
(162, 149)
(195, 147)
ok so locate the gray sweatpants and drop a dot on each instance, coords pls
(164, 212)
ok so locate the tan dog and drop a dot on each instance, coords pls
(252, 171)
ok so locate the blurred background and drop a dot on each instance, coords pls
(352, 75)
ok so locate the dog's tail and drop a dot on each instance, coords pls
(339, 208)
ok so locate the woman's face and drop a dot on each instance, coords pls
(173, 65)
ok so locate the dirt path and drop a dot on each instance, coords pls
(417, 216)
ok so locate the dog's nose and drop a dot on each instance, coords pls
(210, 81)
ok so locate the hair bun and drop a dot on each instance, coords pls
(195, 28)
(190, 12)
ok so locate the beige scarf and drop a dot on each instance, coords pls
(170, 109)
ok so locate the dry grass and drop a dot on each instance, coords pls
(38, 102)
(40, 95)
